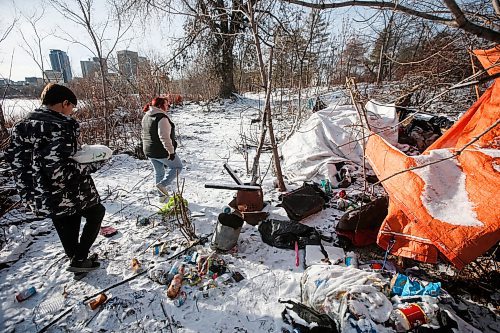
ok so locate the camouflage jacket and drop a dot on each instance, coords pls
(47, 179)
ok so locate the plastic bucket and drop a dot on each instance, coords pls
(227, 231)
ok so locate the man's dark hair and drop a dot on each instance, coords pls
(55, 93)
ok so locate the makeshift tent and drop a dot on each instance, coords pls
(330, 136)
(450, 203)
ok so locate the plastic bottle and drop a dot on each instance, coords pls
(226, 209)
(52, 305)
(175, 268)
(351, 259)
(175, 286)
(94, 304)
(25, 294)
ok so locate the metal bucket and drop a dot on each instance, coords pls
(227, 231)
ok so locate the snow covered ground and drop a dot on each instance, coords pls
(209, 136)
(207, 140)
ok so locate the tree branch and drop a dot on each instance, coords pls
(460, 21)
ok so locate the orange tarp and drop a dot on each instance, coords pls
(450, 204)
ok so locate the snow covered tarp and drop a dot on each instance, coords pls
(449, 201)
(330, 136)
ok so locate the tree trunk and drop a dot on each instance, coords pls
(105, 98)
(4, 134)
(226, 68)
(276, 156)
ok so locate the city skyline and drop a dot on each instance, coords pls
(60, 62)
(17, 64)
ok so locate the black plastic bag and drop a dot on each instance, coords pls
(284, 234)
(322, 323)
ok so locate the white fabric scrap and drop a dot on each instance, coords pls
(338, 291)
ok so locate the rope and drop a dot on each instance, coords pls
(389, 248)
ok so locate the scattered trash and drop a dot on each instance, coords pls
(143, 221)
(181, 299)
(227, 231)
(108, 231)
(136, 265)
(25, 294)
(402, 285)
(94, 304)
(284, 234)
(305, 319)
(237, 276)
(351, 259)
(304, 201)
(175, 286)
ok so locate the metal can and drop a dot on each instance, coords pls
(25, 294)
(98, 301)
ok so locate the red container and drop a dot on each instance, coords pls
(414, 315)
(249, 201)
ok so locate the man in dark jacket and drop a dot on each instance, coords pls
(50, 182)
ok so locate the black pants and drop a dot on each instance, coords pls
(68, 229)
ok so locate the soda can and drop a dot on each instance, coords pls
(157, 249)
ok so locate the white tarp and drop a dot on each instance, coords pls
(330, 136)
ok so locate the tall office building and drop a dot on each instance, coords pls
(128, 62)
(60, 63)
(91, 66)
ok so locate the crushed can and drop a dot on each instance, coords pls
(94, 304)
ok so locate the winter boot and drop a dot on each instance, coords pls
(83, 266)
(162, 188)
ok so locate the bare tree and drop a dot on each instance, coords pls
(4, 134)
(82, 12)
(214, 24)
(446, 12)
(33, 46)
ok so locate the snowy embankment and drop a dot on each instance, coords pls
(35, 256)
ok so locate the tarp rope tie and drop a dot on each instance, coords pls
(389, 248)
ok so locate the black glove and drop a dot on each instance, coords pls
(171, 157)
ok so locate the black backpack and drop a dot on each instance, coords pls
(322, 323)
(304, 201)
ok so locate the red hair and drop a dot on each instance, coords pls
(158, 102)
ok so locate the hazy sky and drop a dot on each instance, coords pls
(53, 27)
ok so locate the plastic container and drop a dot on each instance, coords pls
(408, 317)
(25, 294)
(227, 231)
(351, 259)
